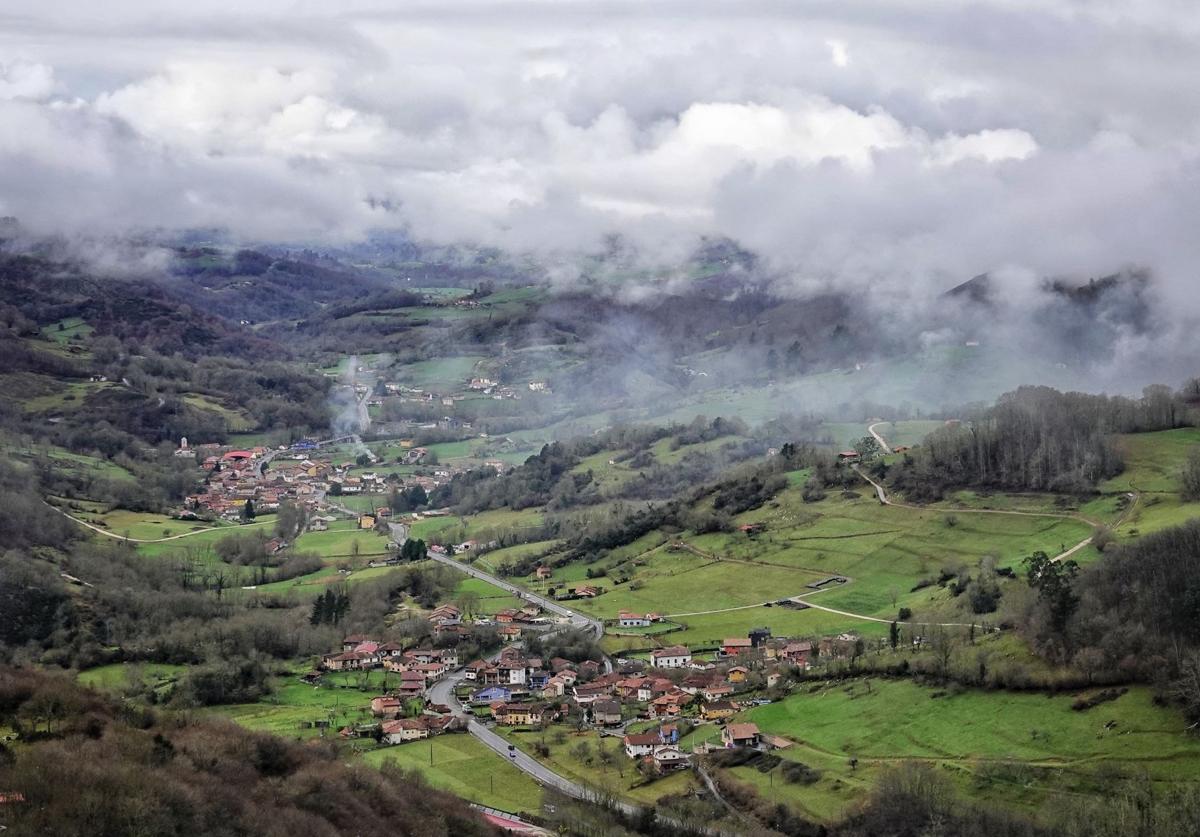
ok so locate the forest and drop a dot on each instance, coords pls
(90, 766)
(1037, 439)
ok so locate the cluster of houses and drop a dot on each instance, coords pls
(417, 669)
(516, 688)
(296, 475)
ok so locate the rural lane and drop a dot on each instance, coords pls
(882, 441)
(577, 619)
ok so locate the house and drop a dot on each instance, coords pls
(640, 744)
(520, 714)
(847, 456)
(734, 646)
(353, 641)
(669, 705)
(591, 691)
(491, 694)
(628, 619)
(606, 712)
(432, 671)
(840, 646)
(443, 614)
(556, 686)
(650, 689)
(718, 710)
(543, 572)
(674, 656)
(797, 653)
(509, 633)
(670, 758)
(717, 691)
(347, 661)
(366, 521)
(512, 672)
(404, 729)
(628, 688)
(737, 674)
(587, 591)
(412, 684)
(474, 669)
(381, 706)
(694, 684)
(740, 735)
(668, 733)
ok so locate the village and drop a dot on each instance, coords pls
(664, 708)
(240, 483)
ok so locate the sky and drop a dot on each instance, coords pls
(897, 145)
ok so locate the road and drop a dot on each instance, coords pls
(443, 691)
(578, 620)
(882, 441)
(260, 466)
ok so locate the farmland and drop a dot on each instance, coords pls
(1020, 749)
(467, 768)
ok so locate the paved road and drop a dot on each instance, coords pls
(260, 467)
(578, 620)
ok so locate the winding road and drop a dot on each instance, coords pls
(443, 692)
(878, 438)
(886, 500)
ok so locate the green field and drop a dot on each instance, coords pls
(147, 526)
(117, 676)
(293, 707)
(235, 420)
(466, 768)
(616, 777)
(885, 551)
(66, 396)
(447, 373)
(68, 329)
(1010, 747)
(92, 466)
(1153, 460)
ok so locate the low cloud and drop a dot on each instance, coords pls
(890, 150)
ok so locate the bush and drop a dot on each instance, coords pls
(799, 773)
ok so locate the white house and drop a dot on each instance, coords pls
(676, 656)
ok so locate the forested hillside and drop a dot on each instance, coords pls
(1036, 439)
(87, 766)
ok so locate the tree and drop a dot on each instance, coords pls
(468, 602)
(1054, 582)
(248, 512)
(1189, 478)
(894, 635)
(867, 448)
(290, 521)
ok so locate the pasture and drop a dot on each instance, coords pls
(467, 768)
(1013, 747)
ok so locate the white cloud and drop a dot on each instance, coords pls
(839, 53)
(26, 80)
(954, 140)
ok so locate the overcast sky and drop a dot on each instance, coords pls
(922, 141)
